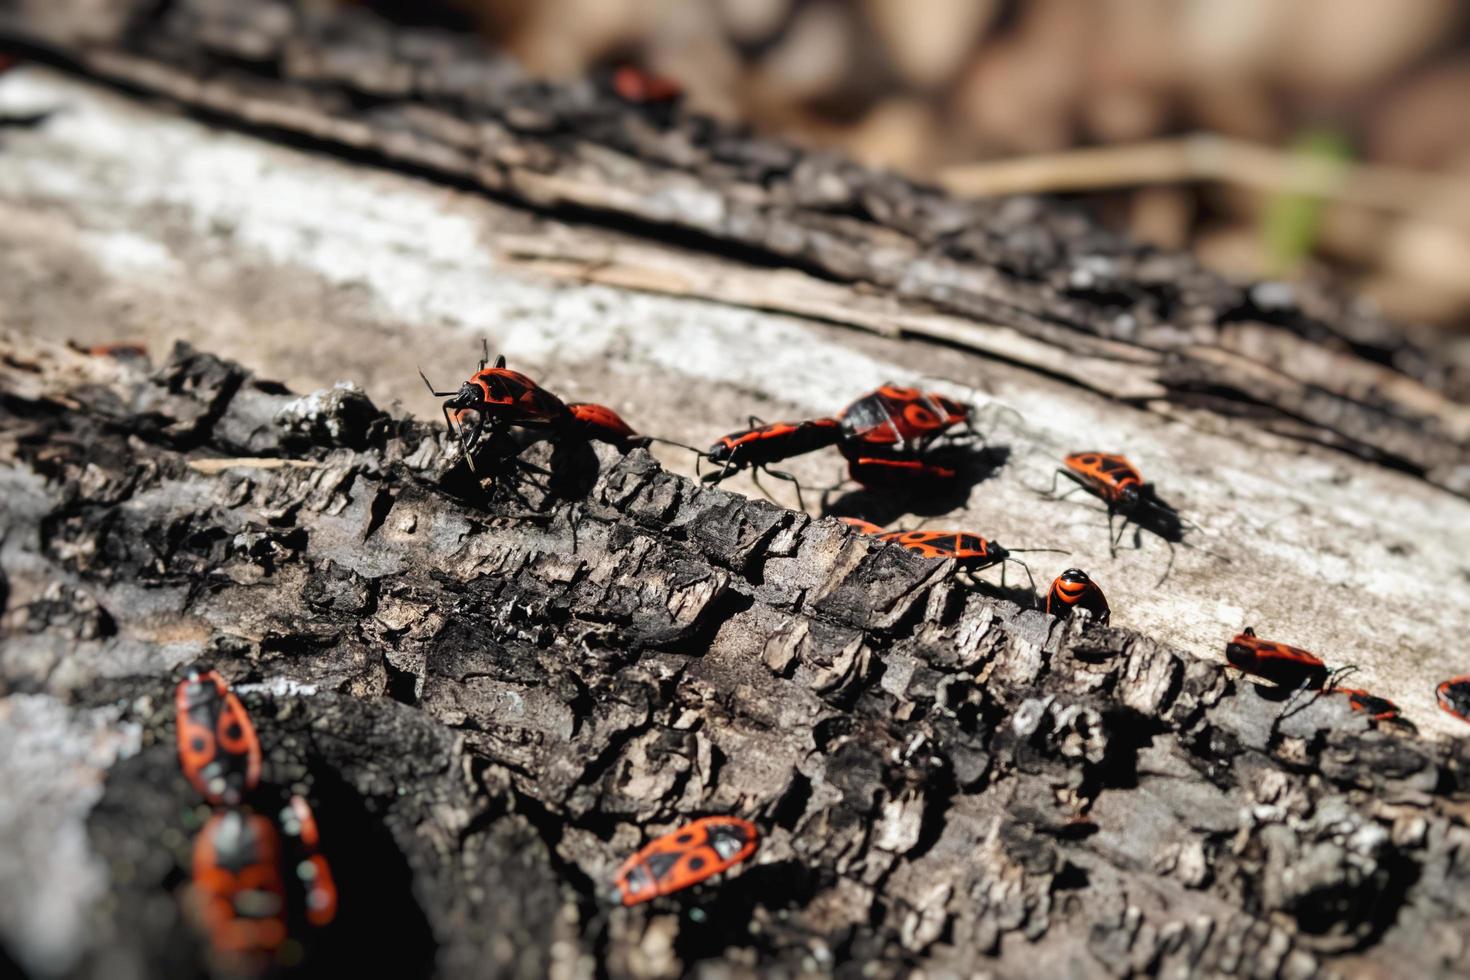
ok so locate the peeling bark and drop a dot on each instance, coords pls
(493, 709)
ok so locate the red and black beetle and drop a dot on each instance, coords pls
(499, 396)
(887, 433)
(970, 551)
(1288, 666)
(1379, 709)
(1453, 696)
(237, 884)
(298, 823)
(1074, 589)
(1120, 485)
(599, 422)
(898, 419)
(685, 857)
(1108, 475)
(755, 448)
(218, 748)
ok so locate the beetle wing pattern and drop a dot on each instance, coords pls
(600, 422)
(1453, 697)
(904, 418)
(868, 420)
(1075, 589)
(686, 857)
(1105, 474)
(1379, 709)
(218, 748)
(971, 550)
(506, 389)
(237, 881)
(1288, 666)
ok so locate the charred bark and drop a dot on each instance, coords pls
(493, 701)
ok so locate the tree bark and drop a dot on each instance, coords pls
(492, 707)
(492, 702)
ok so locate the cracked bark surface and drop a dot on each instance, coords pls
(1136, 323)
(491, 715)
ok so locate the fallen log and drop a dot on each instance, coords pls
(491, 710)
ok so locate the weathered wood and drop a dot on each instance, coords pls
(121, 221)
(1325, 370)
(492, 714)
(493, 709)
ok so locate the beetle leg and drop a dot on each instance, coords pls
(729, 467)
(755, 478)
(467, 445)
(1170, 566)
(800, 504)
(1051, 492)
(1029, 579)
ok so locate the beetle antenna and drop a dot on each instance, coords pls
(996, 408)
(432, 391)
(970, 389)
(1335, 678)
(676, 445)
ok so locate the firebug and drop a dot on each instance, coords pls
(685, 857)
(218, 748)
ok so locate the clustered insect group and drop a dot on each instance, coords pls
(239, 895)
(903, 439)
(893, 437)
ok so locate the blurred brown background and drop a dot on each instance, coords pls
(1367, 102)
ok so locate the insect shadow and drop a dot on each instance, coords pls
(973, 465)
(380, 928)
(718, 916)
(551, 482)
(1154, 515)
(1022, 596)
